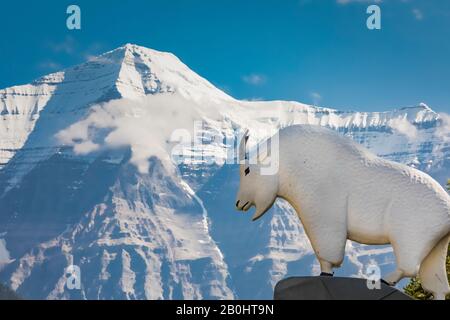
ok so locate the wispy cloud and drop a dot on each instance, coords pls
(316, 97)
(443, 131)
(67, 46)
(49, 65)
(418, 14)
(254, 79)
(124, 123)
(92, 51)
(404, 127)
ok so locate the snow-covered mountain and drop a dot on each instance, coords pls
(84, 181)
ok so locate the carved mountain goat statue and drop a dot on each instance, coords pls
(342, 191)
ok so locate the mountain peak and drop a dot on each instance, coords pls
(130, 72)
(145, 71)
(130, 46)
(425, 106)
(421, 106)
(135, 49)
(133, 71)
(418, 112)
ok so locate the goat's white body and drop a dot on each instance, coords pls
(341, 191)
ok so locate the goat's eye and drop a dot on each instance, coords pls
(247, 171)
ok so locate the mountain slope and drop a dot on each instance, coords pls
(162, 232)
(7, 294)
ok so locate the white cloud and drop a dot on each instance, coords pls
(69, 46)
(66, 46)
(316, 97)
(254, 79)
(443, 131)
(140, 125)
(418, 14)
(403, 126)
(92, 52)
(49, 65)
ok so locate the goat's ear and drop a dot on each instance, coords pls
(243, 148)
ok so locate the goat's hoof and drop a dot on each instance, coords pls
(325, 274)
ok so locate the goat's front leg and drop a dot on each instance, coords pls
(393, 278)
(326, 268)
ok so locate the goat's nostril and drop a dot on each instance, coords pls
(237, 203)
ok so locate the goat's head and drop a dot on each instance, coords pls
(255, 189)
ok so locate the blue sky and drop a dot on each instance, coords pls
(313, 51)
